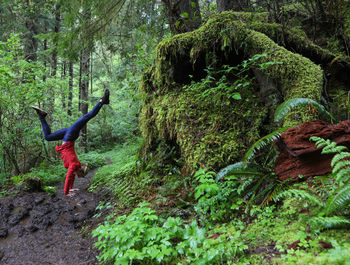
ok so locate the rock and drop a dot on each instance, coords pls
(3, 232)
(31, 228)
(39, 200)
(298, 156)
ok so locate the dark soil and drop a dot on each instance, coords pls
(38, 228)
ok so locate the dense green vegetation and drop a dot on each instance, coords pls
(185, 151)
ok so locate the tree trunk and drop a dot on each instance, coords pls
(63, 76)
(237, 5)
(31, 43)
(55, 40)
(183, 15)
(51, 90)
(84, 89)
(91, 76)
(70, 87)
(45, 64)
(80, 78)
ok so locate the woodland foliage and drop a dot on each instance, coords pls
(199, 188)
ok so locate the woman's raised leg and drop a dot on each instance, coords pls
(73, 132)
(58, 135)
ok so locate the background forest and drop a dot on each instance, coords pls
(200, 90)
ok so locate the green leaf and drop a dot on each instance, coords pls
(184, 15)
(262, 142)
(238, 169)
(236, 96)
(283, 109)
(339, 201)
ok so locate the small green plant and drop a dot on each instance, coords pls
(236, 187)
(17, 180)
(49, 189)
(228, 82)
(101, 207)
(144, 237)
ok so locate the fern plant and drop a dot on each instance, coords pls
(300, 194)
(339, 199)
(320, 223)
(340, 162)
(283, 109)
(125, 190)
(263, 142)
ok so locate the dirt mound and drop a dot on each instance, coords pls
(38, 228)
(299, 156)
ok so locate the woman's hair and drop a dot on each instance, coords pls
(82, 170)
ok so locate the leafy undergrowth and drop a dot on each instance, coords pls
(115, 179)
(160, 217)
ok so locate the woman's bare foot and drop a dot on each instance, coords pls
(73, 190)
(71, 194)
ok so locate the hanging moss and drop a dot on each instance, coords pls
(211, 134)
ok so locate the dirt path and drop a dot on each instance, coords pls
(41, 229)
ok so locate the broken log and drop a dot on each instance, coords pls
(300, 157)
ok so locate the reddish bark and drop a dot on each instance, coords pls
(299, 156)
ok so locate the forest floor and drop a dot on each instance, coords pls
(39, 228)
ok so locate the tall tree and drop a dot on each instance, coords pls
(85, 73)
(55, 39)
(183, 15)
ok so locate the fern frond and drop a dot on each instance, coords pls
(343, 164)
(339, 157)
(283, 109)
(262, 142)
(320, 142)
(277, 189)
(333, 148)
(300, 194)
(344, 174)
(321, 223)
(339, 201)
(244, 185)
(124, 190)
(264, 193)
(238, 169)
(329, 146)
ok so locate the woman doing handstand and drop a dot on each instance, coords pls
(68, 137)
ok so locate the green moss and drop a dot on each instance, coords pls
(208, 134)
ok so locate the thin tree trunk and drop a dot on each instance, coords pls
(13, 161)
(31, 43)
(85, 91)
(70, 87)
(55, 40)
(45, 64)
(91, 76)
(63, 76)
(80, 78)
(54, 57)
